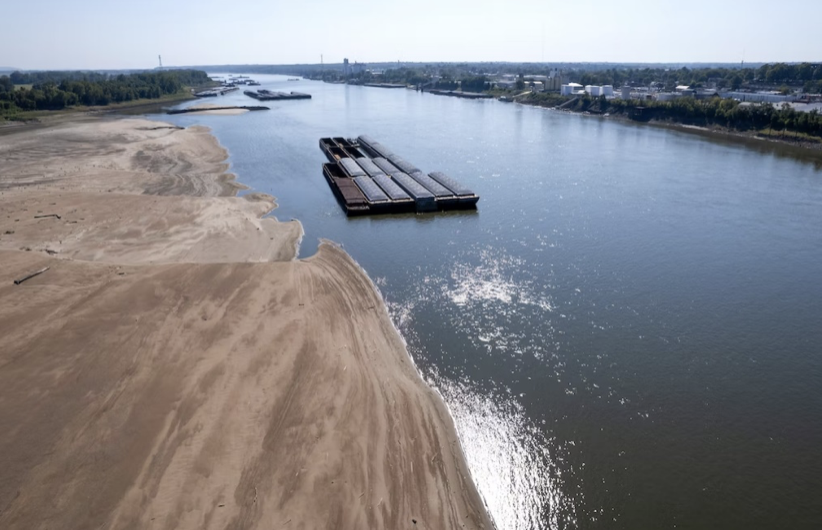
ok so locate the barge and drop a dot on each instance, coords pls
(368, 178)
(460, 94)
(203, 109)
(348, 194)
(332, 150)
(214, 92)
(268, 95)
(384, 85)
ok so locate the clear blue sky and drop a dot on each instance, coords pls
(40, 34)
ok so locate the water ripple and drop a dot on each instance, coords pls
(508, 456)
(489, 303)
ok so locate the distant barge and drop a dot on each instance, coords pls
(384, 85)
(368, 178)
(203, 109)
(214, 92)
(460, 94)
(268, 95)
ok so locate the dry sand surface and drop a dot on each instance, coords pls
(132, 191)
(176, 367)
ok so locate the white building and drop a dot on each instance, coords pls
(532, 78)
(760, 97)
(596, 91)
(685, 90)
(570, 89)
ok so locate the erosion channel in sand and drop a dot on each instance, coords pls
(177, 367)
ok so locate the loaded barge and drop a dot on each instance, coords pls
(368, 178)
(214, 92)
(268, 95)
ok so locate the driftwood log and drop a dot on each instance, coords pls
(32, 275)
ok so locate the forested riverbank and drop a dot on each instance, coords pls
(22, 93)
(765, 120)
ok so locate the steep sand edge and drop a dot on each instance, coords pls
(458, 469)
(240, 395)
(211, 395)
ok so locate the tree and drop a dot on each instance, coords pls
(736, 82)
(474, 84)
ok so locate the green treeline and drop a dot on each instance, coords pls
(59, 90)
(416, 77)
(38, 78)
(405, 76)
(806, 76)
(474, 84)
(727, 113)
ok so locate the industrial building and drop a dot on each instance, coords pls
(572, 89)
(596, 91)
(761, 97)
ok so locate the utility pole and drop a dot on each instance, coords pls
(160, 58)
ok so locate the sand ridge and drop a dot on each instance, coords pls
(176, 367)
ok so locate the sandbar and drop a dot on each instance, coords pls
(178, 367)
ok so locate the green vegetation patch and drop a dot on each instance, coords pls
(785, 135)
(50, 91)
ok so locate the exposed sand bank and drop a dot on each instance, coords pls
(119, 228)
(177, 368)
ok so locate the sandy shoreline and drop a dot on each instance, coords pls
(177, 367)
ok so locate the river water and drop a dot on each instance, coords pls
(628, 331)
